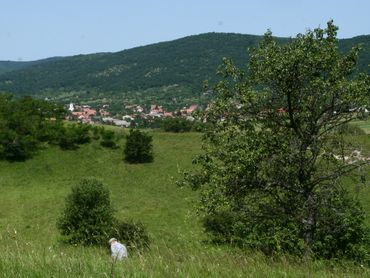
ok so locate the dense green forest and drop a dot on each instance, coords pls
(7, 66)
(167, 73)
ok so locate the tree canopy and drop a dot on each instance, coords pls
(138, 147)
(25, 123)
(271, 173)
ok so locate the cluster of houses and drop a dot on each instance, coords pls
(88, 115)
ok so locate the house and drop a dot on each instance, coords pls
(188, 111)
(88, 112)
(121, 123)
(127, 118)
(191, 109)
(104, 113)
(116, 122)
(84, 115)
(156, 111)
(135, 108)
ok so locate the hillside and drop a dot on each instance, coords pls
(187, 61)
(32, 197)
(8, 66)
(166, 70)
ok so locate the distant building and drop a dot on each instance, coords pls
(127, 118)
(121, 123)
(116, 122)
(71, 107)
(156, 111)
(190, 110)
(104, 113)
(85, 115)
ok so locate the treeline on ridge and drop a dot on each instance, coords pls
(186, 62)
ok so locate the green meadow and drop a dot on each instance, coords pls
(365, 125)
(32, 197)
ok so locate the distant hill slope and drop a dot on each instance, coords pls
(185, 62)
(7, 66)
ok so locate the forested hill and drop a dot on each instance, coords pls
(186, 62)
(7, 66)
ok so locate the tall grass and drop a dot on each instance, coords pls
(20, 258)
(32, 197)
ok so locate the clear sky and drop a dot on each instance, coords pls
(34, 29)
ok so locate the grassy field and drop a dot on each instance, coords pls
(32, 197)
(365, 125)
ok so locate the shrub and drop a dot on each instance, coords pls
(108, 139)
(25, 124)
(73, 135)
(177, 125)
(139, 147)
(133, 234)
(339, 229)
(17, 148)
(96, 132)
(88, 215)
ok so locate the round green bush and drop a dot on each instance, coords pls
(88, 215)
(139, 147)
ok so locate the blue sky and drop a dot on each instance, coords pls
(34, 29)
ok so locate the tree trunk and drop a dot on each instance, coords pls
(309, 223)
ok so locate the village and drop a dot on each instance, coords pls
(135, 114)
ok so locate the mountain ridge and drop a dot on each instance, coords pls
(184, 62)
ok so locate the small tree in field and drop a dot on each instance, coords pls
(88, 215)
(273, 163)
(139, 147)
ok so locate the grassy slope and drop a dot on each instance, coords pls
(365, 125)
(32, 197)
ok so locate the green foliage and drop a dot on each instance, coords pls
(73, 135)
(185, 62)
(177, 124)
(340, 229)
(139, 147)
(133, 234)
(96, 132)
(24, 124)
(271, 159)
(88, 215)
(168, 73)
(29, 239)
(108, 139)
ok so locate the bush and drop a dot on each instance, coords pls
(96, 132)
(139, 147)
(74, 135)
(14, 147)
(108, 139)
(88, 215)
(177, 125)
(340, 231)
(25, 124)
(133, 234)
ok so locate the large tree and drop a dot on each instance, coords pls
(25, 123)
(270, 176)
